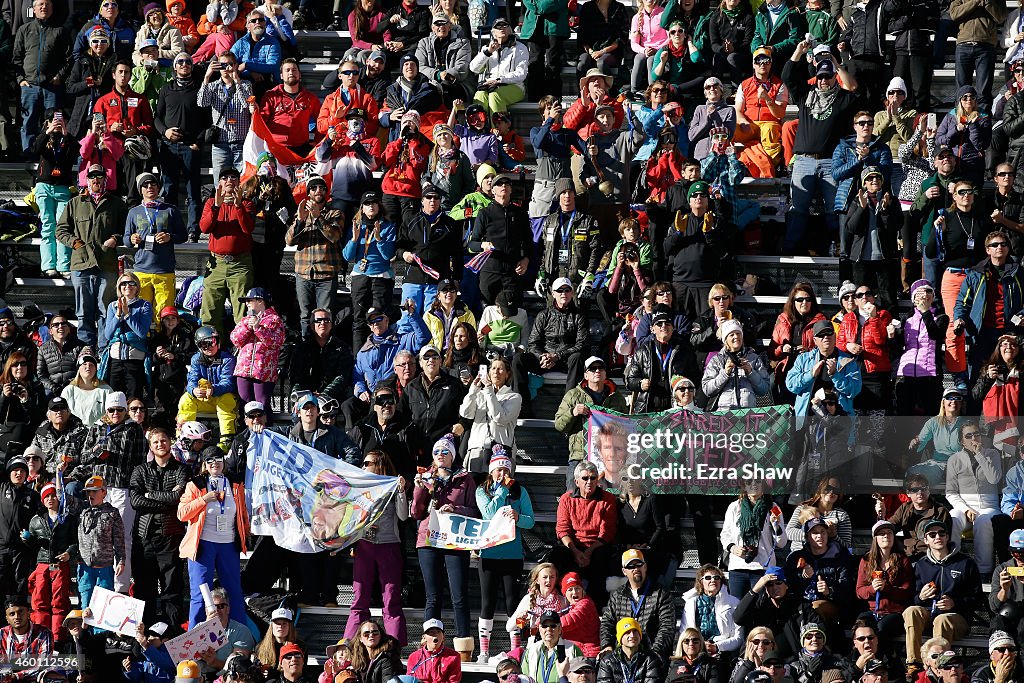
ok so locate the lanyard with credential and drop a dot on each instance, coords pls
(637, 606)
(567, 228)
(215, 486)
(664, 359)
(547, 665)
(628, 673)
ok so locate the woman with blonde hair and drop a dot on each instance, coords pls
(282, 631)
(456, 13)
(86, 394)
(691, 657)
(760, 641)
(542, 594)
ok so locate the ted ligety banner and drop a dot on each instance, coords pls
(458, 532)
(682, 451)
(307, 500)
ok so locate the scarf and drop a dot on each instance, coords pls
(819, 102)
(679, 52)
(706, 621)
(752, 520)
(732, 13)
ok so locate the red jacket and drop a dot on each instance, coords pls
(333, 111)
(131, 109)
(873, 337)
(782, 335)
(587, 519)
(898, 593)
(288, 117)
(404, 179)
(444, 667)
(229, 227)
(582, 625)
(580, 116)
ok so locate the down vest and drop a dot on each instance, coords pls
(259, 339)
(872, 336)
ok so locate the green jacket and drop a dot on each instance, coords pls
(574, 426)
(783, 38)
(148, 83)
(552, 16)
(701, 34)
(822, 26)
(94, 224)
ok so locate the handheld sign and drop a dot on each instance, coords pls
(458, 532)
(114, 612)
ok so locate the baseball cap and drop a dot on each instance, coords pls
(712, 80)
(377, 55)
(954, 392)
(432, 624)
(57, 403)
(632, 555)
(427, 349)
(373, 313)
(212, 452)
(447, 284)
(167, 311)
(881, 525)
(304, 399)
(440, 20)
(763, 51)
(159, 629)
(948, 657)
(776, 571)
(502, 179)
(944, 150)
(560, 283)
(147, 43)
(820, 49)
(282, 613)
(814, 522)
(927, 524)
(1016, 539)
(826, 69)
(255, 293)
(604, 107)
(15, 462)
(93, 483)
(550, 616)
(430, 190)
(593, 359)
(874, 666)
(188, 671)
(253, 406)
(370, 197)
(577, 664)
(772, 655)
(96, 170)
(661, 313)
(356, 113)
(823, 328)
(758, 676)
(288, 650)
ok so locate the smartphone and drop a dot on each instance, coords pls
(482, 372)
(97, 117)
(464, 373)
(58, 117)
(560, 649)
(1015, 571)
(931, 121)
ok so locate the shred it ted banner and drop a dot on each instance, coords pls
(458, 532)
(681, 451)
(307, 500)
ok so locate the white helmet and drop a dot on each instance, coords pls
(194, 431)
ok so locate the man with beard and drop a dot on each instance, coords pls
(179, 120)
(259, 55)
(129, 117)
(349, 95)
(288, 109)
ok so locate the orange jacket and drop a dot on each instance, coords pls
(192, 509)
(207, 27)
(333, 110)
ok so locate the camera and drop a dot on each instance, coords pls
(630, 252)
(749, 553)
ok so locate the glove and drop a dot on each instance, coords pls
(541, 287)
(586, 287)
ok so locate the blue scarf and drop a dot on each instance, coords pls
(706, 617)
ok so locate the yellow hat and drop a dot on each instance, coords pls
(188, 670)
(763, 50)
(73, 614)
(632, 555)
(625, 626)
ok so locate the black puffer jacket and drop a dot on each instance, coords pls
(401, 440)
(155, 493)
(562, 332)
(101, 70)
(657, 618)
(180, 342)
(704, 669)
(866, 31)
(435, 409)
(806, 669)
(912, 21)
(56, 444)
(385, 665)
(57, 364)
(645, 364)
(56, 540)
(645, 666)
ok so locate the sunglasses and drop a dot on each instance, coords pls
(831, 489)
(94, 176)
(935, 534)
(588, 478)
(864, 639)
(129, 284)
(137, 409)
(721, 297)
(550, 625)
(803, 300)
(111, 411)
(20, 364)
(998, 245)
(711, 87)
(370, 463)
(376, 320)
(220, 605)
(697, 195)
(152, 183)
(813, 636)
(101, 41)
(596, 368)
(370, 633)
(564, 290)
(894, 92)
(691, 641)
(847, 297)
(830, 403)
(865, 122)
(321, 321)
(964, 193)
(762, 641)
(431, 357)
(1005, 174)
(226, 65)
(664, 292)
(676, 32)
(951, 667)
(968, 96)
(657, 90)
(917, 489)
(954, 398)
(255, 414)
(387, 400)
(350, 72)
(711, 578)
(763, 60)
(257, 20)
(973, 436)
(662, 323)
(686, 389)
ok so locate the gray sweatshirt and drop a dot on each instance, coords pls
(101, 536)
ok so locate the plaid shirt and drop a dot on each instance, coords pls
(725, 171)
(230, 115)
(112, 452)
(39, 642)
(316, 257)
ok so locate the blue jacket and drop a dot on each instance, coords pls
(956, 576)
(847, 166)
(376, 359)
(971, 302)
(131, 331)
(156, 668)
(513, 550)
(147, 222)
(122, 37)
(220, 372)
(378, 256)
(652, 121)
(1013, 492)
(262, 57)
(800, 381)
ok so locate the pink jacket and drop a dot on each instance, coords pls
(112, 150)
(443, 667)
(259, 341)
(645, 31)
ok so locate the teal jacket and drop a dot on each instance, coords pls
(699, 32)
(489, 506)
(550, 16)
(783, 37)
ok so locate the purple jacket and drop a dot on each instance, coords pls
(460, 492)
(922, 335)
(481, 148)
